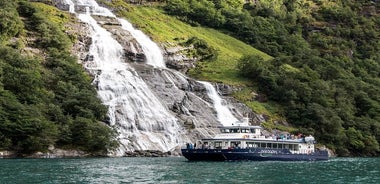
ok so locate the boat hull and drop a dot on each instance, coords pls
(254, 154)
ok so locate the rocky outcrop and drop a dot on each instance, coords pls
(51, 153)
(61, 4)
(132, 50)
(149, 153)
(7, 154)
(82, 44)
(60, 153)
(175, 59)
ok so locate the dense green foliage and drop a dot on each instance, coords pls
(202, 49)
(46, 98)
(327, 62)
(10, 24)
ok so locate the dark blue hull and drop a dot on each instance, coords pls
(254, 154)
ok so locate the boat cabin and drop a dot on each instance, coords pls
(244, 136)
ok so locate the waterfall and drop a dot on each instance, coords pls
(95, 9)
(142, 121)
(152, 52)
(224, 114)
(71, 6)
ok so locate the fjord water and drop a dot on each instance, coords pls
(179, 170)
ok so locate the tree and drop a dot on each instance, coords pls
(251, 65)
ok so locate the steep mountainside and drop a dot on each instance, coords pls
(46, 98)
(326, 66)
(320, 74)
(54, 105)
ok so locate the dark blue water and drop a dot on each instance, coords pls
(179, 170)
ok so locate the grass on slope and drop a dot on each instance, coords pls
(62, 19)
(168, 30)
(171, 31)
(54, 15)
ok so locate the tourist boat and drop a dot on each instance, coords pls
(242, 141)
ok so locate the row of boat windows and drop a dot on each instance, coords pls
(237, 144)
(238, 130)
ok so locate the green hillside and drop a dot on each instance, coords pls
(170, 31)
(325, 70)
(46, 98)
(321, 72)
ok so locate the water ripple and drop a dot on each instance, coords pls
(179, 170)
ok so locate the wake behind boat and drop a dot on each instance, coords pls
(244, 142)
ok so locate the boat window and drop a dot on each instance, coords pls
(218, 145)
(280, 146)
(252, 145)
(286, 146)
(225, 130)
(235, 144)
(235, 130)
(295, 147)
(263, 145)
(211, 145)
(269, 145)
(252, 130)
(274, 145)
(292, 147)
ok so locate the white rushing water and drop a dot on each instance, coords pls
(224, 114)
(143, 123)
(152, 52)
(71, 5)
(93, 7)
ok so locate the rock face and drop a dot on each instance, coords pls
(176, 60)
(7, 154)
(188, 99)
(60, 153)
(184, 98)
(132, 49)
(51, 153)
(61, 4)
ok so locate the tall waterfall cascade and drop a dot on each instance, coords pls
(224, 114)
(152, 51)
(152, 109)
